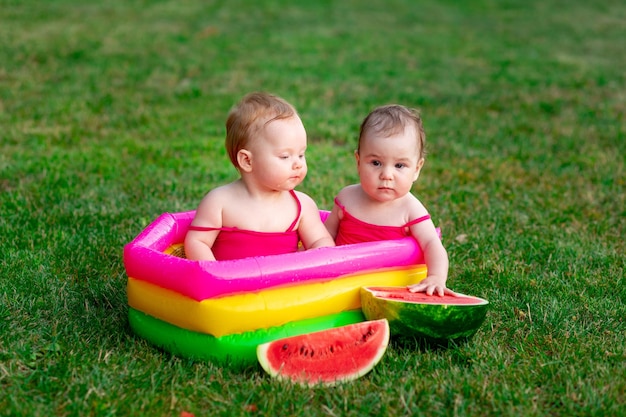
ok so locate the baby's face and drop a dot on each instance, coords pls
(278, 154)
(388, 166)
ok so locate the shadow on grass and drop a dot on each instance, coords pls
(427, 345)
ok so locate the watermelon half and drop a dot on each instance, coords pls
(432, 318)
(326, 357)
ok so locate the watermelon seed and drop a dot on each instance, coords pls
(367, 335)
(285, 346)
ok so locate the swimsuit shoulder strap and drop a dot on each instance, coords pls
(341, 206)
(293, 224)
(418, 220)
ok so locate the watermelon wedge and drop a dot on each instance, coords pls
(429, 317)
(326, 357)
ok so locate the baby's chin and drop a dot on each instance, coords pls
(290, 184)
(384, 195)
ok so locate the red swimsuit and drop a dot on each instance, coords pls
(234, 243)
(353, 230)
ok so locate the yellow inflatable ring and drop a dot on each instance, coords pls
(272, 307)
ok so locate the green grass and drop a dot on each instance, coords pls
(113, 112)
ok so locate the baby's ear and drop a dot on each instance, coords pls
(420, 165)
(244, 160)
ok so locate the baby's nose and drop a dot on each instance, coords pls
(386, 173)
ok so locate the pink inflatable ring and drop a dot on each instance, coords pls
(219, 300)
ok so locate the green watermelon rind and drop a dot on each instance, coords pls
(278, 373)
(432, 322)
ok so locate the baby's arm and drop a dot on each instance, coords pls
(336, 214)
(436, 259)
(312, 231)
(332, 221)
(198, 243)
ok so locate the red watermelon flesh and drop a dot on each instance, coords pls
(430, 317)
(406, 296)
(326, 357)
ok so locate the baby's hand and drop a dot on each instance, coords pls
(432, 285)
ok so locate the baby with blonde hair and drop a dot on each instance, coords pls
(260, 213)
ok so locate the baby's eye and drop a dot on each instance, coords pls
(400, 165)
(376, 163)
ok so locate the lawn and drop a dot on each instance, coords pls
(112, 113)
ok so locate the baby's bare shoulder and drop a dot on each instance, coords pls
(414, 207)
(349, 193)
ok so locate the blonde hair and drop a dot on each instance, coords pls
(250, 115)
(393, 119)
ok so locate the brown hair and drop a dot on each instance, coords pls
(254, 111)
(392, 119)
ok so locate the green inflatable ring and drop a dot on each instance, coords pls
(233, 349)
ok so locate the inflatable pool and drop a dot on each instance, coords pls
(221, 310)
